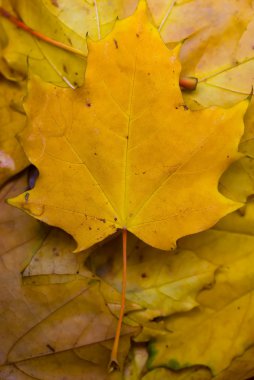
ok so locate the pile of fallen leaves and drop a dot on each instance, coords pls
(97, 138)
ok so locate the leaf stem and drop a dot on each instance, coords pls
(188, 83)
(113, 364)
(14, 20)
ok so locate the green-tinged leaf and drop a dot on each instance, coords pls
(220, 329)
(161, 283)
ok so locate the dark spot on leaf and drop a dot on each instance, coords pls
(148, 73)
(75, 83)
(238, 308)
(70, 41)
(137, 35)
(65, 69)
(115, 219)
(143, 172)
(26, 197)
(185, 107)
(116, 43)
(176, 108)
(77, 272)
(102, 220)
(228, 156)
(89, 228)
(127, 137)
(50, 347)
(157, 319)
(143, 275)
(76, 73)
(88, 104)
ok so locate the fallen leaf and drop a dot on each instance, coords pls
(95, 18)
(85, 363)
(203, 50)
(49, 62)
(46, 319)
(161, 283)
(217, 48)
(121, 174)
(12, 156)
(221, 328)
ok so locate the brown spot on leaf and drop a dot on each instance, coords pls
(50, 347)
(116, 43)
(27, 196)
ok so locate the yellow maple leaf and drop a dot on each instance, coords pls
(123, 151)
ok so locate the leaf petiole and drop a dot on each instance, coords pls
(113, 364)
(14, 20)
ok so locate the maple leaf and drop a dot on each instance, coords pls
(216, 48)
(41, 142)
(161, 283)
(22, 50)
(121, 151)
(199, 336)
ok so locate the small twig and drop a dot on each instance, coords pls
(188, 83)
(14, 20)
